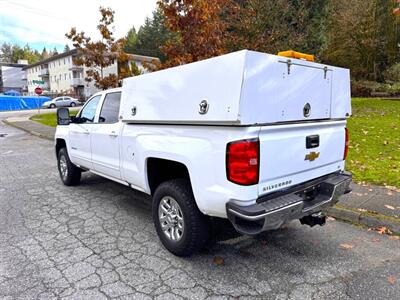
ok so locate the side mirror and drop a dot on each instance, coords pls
(63, 117)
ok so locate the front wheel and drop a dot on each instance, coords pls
(52, 106)
(73, 104)
(181, 227)
(69, 173)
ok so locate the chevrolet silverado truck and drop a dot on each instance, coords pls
(255, 138)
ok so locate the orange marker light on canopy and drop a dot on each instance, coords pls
(295, 54)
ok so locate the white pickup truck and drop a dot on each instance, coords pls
(256, 138)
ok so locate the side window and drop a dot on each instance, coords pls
(88, 113)
(110, 110)
(59, 99)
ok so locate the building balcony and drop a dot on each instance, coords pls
(44, 72)
(77, 82)
(76, 68)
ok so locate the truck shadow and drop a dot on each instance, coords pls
(290, 241)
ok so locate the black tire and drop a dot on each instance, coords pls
(52, 106)
(196, 225)
(73, 173)
(73, 104)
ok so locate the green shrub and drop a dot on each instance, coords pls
(392, 74)
(364, 88)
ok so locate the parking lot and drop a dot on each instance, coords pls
(97, 241)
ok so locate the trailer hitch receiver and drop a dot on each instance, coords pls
(314, 219)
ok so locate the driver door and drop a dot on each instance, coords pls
(79, 134)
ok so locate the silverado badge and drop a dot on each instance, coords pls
(312, 156)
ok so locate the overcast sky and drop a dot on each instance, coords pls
(44, 22)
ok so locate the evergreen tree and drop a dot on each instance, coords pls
(152, 35)
(55, 52)
(131, 40)
(66, 48)
(135, 69)
(44, 54)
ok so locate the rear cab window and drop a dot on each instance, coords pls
(110, 110)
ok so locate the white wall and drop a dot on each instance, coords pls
(12, 77)
(32, 74)
(60, 75)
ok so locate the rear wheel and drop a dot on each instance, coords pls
(73, 104)
(181, 227)
(69, 173)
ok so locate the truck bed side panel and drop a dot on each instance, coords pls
(202, 149)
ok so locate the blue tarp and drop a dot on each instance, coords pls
(21, 102)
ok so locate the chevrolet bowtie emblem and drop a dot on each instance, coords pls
(312, 156)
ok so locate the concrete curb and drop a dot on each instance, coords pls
(43, 136)
(368, 219)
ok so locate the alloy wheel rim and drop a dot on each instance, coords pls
(171, 218)
(63, 167)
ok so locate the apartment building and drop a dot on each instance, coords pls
(59, 75)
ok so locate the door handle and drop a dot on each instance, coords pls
(84, 132)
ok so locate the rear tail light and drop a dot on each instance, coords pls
(346, 145)
(242, 161)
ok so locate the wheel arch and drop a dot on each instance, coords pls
(60, 143)
(159, 170)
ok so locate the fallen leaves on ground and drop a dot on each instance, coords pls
(381, 230)
(392, 279)
(346, 246)
(394, 237)
(330, 219)
(392, 188)
(389, 207)
(362, 209)
(219, 261)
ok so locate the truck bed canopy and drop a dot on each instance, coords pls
(240, 88)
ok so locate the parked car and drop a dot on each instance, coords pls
(255, 138)
(63, 101)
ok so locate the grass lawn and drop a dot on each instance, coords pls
(49, 119)
(374, 151)
(374, 128)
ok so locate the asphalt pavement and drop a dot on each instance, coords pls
(97, 241)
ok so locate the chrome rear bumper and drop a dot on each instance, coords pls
(304, 200)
